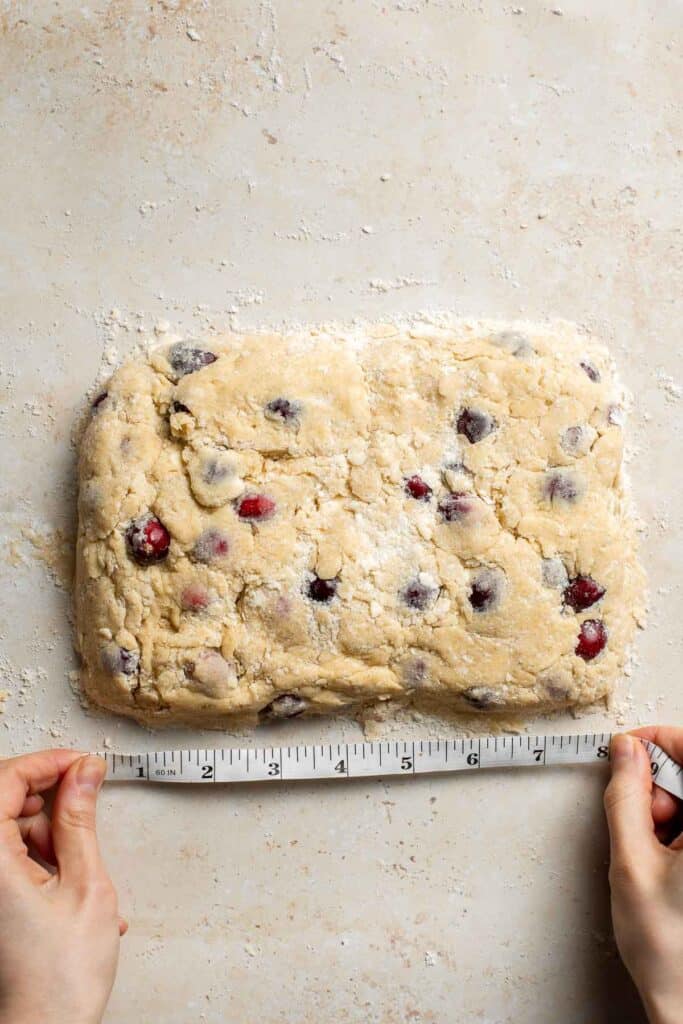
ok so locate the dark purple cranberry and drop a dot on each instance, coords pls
(475, 424)
(211, 546)
(592, 639)
(148, 540)
(485, 591)
(186, 358)
(283, 410)
(256, 507)
(556, 690)
(582, 592)
(481, 698)
(456, 506)
(288, 705)
(591, 372)
(415, 672)
(418, 489)
(418, 595)
(560, 487)
(322, 590)
(119, 660)
(98, 401)
(130, 662)
(554, 573)
(518, 344)
(214, 472)
(180, 407)
(572, 439)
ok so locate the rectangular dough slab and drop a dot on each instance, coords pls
(386, 514)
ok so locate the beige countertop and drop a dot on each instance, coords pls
(191, 166)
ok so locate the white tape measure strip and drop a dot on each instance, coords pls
(365, 760)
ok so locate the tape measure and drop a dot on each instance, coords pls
(368, 760)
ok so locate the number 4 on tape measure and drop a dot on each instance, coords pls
(367, 760)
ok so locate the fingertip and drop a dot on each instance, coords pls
(664, 806)
(622, 749)
(89, 773)
(32, 805)
(123, 927)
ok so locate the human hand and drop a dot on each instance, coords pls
(59, 929)
(646, 872)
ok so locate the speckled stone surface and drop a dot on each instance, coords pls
(195, 167)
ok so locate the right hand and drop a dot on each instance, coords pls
(646, 872)
(59, 931)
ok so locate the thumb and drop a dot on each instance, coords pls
(73, 821)
(628, 802)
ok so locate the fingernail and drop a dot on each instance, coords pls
(623, 747)
(90, 774)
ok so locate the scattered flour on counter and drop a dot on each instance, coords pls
(55, 550)
(666, 383)
(379, 285)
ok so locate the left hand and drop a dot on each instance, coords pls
(60, 929)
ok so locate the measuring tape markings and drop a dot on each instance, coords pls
(368, 760)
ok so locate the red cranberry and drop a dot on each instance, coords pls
(256, 507)
(456, 506)
(282, 409)
(186, 358)
(322, 590)
(590, 371)
(148, 540)
(194, 598)
(288, 705)
(98, 401)
(592, 639)
(475, 424)
(418, 489)
(582, 592)
(485, 592)
(211, 546)
(559, 487)
(418, 595)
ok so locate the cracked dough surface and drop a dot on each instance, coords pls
(455, 597)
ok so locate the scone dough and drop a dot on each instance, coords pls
(282, 524)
